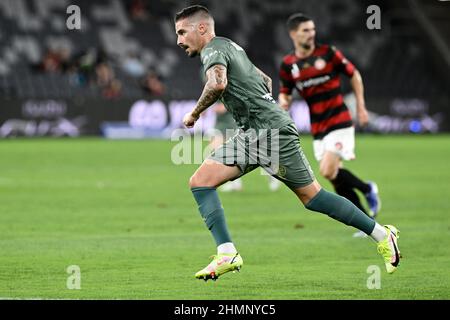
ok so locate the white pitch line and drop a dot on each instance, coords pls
(34, 298)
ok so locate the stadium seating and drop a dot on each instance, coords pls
(395, 63)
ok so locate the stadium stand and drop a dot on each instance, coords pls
(127, 49)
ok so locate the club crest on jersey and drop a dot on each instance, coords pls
(319, 64)
(281, 172)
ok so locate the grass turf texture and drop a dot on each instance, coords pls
(124, 214)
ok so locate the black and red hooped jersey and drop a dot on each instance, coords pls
(317, 80)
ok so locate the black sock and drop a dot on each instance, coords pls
(350, 195)
(346, 179)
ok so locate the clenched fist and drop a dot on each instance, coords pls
(189, 120)
(363, 117)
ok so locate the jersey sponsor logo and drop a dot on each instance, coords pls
(209, 55)
(338, 145)
(312, 82)
(269, 98)
(319, 64)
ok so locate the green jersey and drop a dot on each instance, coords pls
(246, 95)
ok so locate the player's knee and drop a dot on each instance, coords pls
(198, 181)
(306, 194)
(193, 182)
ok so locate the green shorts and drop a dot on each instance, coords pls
(276, 151)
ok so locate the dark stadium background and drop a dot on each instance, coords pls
(122, 75)
(121, 212)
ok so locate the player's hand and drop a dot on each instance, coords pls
(363, 117)
(189, 120)
(284, 100)
(284, 105)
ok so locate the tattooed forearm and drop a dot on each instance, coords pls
(208, 97)
(214, 87)
(266, 79)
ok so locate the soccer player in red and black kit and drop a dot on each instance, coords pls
(314, 70)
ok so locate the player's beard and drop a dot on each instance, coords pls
(193, 54)
(308, 45)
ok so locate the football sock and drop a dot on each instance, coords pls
(351, 195)
(227, 247)
(212, 213)
(379, 233)
(345, 178)
(341, 209)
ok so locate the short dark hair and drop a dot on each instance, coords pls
(190, 11)
(296, 19)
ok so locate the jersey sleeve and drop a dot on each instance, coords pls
(287, 84)
(341, 63)
(215, 55)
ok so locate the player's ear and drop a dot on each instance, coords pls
(292, 34)
(202, 28)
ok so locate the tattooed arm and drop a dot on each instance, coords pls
(267, 79)
(215, 85)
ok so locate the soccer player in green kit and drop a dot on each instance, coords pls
(246, 92)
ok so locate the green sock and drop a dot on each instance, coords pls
(212, 212)
(341, 209)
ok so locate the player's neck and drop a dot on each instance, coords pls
(303, 53)
(208, 39)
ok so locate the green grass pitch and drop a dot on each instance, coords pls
(123, 213)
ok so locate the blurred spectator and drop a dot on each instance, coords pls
(113, 89)
(133, 66)
(105, 79)
(76, 77)
(50, 61)
(138, 10)
(104, 74)
(54, 60)
(91, 66)
(153, 85)
(83, 67)
(65, 58)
